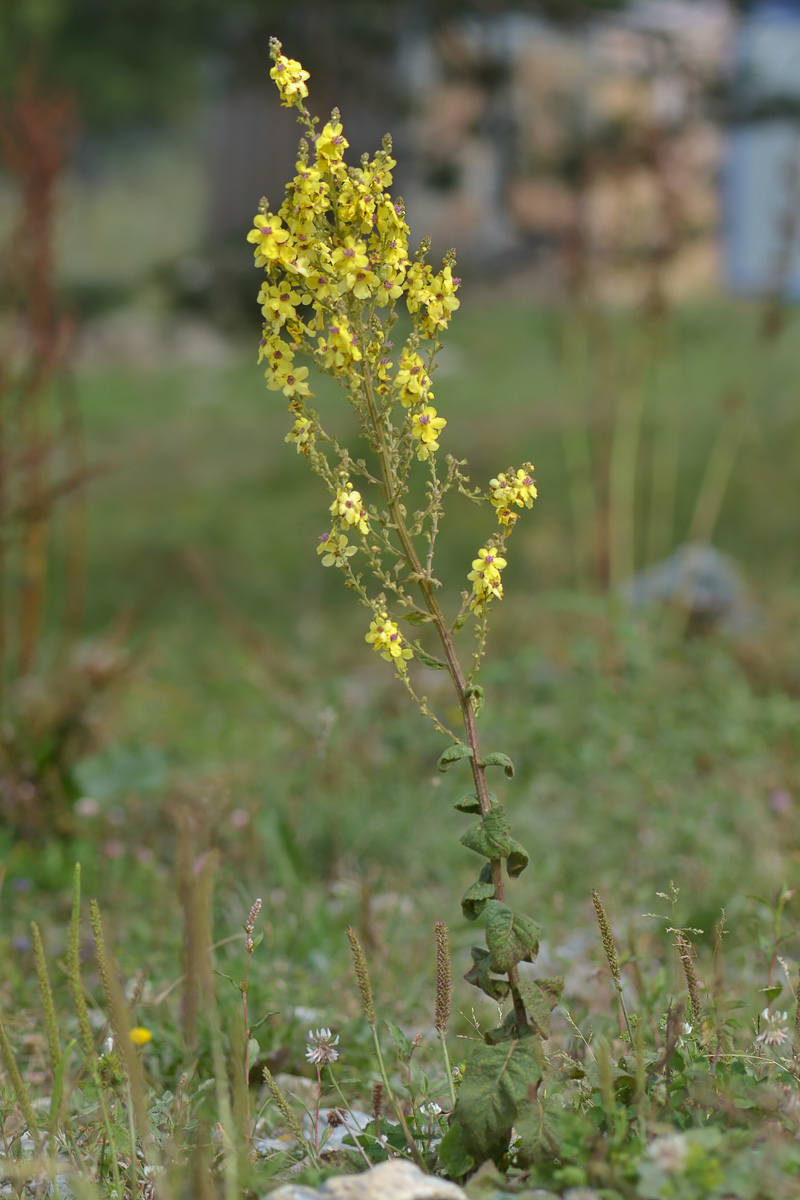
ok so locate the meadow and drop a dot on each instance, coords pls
(254, 736)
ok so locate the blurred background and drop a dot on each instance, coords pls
(622, 184)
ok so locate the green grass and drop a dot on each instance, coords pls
(641, 757)
(235, 678)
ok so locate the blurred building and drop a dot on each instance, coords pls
(593, 150)
(762, 182)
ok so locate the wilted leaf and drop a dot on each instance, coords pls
(517, 859)
(478, 975)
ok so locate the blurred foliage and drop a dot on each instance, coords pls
(140, 60)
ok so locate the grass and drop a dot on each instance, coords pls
(255, 728)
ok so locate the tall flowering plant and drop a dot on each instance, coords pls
(337, 265)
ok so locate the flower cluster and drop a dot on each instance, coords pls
(348, 506)
(512, 488)
(386, 640)
(337, 261)
(485, 577)
(291, 80)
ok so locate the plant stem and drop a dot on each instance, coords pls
(398, 1112)
(448, 1069)
(423, 578)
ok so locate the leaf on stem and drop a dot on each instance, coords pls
(470, 803)
(511, 937)
(474, 899)
(491, 836)
(478, 975)
(496, 1086)
(517, 859)
(498, 760)
(475, 693)
(427, 660)
(417, 618)
(453, 754)
(540, 996)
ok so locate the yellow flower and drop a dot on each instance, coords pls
(348, 506)
(364, 284)
(278, 302)
(140, 1036)
(386, 640)
(485, 577)
(269, 236)
(302, 435)
(349, 260)
(334, 549)
(291, 80)
(391, 288)
(426, 426)
(281, 363)
(331, 144)
(340, 348)
(295, 384)
(412, 379)
(512, 487)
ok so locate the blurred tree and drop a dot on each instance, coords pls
(135, 60)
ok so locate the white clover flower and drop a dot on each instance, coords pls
(320, 1047)
(669, 1153)
(773, 1028)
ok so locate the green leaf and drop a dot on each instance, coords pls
(773, 992)
(468, 804)
(511, 937)
(474, 899)
(471, 804)
(417, 618)
(544, 1127)
(517, 859)
(490, 836)
(498, 760)
(540, 996)
(453, 754)
(496, 1086)
(506, 1031)
(402, 1044)
(475, 694)
(454, 1158)
(478, 975)
(427, 660)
